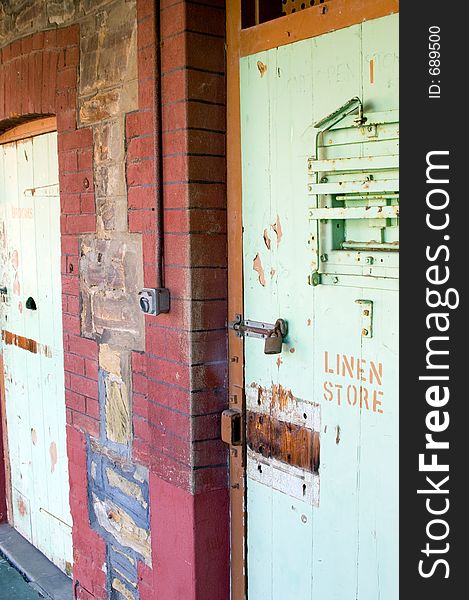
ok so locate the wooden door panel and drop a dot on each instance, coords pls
(328, 532)
(33, 345)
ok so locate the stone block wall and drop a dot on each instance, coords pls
(138, 90)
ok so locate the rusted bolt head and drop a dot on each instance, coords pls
(366, 313)
(364, 331)
(86, 183)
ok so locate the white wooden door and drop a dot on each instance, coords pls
(32, 344)
(322, 517)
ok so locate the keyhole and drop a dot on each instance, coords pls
(31, 303)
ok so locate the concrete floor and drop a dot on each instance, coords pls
(12, 584)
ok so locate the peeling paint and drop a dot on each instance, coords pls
(22, 507)
(337, 436)
(126, 486)
(110, 360)
(33, 436)
(287, 442)
(267, 240)
(124, 577)
(257, 266)
(124, 555)
(281, 396)
(53, 456)
(122, 589)
(280, 403)
(277, 227)
(117, 409)
(12, 339)
(122, 527)
(262, 68)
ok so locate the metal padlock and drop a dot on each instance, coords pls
(273, 342)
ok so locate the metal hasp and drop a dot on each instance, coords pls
(367, 317)
(274, 335)
(231, 432)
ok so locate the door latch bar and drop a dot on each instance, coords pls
(257, 329)
(273, 334)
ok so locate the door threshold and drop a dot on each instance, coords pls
(43, 575)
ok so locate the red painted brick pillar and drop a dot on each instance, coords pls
(180, 382)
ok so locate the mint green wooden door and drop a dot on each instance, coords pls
(314, 256)
(32, 344)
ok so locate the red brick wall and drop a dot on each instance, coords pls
(179, 385)
(179, 382)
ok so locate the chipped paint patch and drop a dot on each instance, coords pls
(280, 403)
(117, 409)
(122, 527)
(12, 339)
(126, 486)
(262, 68)
(277, 227)
(291, 481)
(21, 507)
(281, 396)
(267, 240)
(122, 589)
(53, 456)
(110, 360)
(33, 436)
(257, 266)
(124, 555)
(286, 442)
